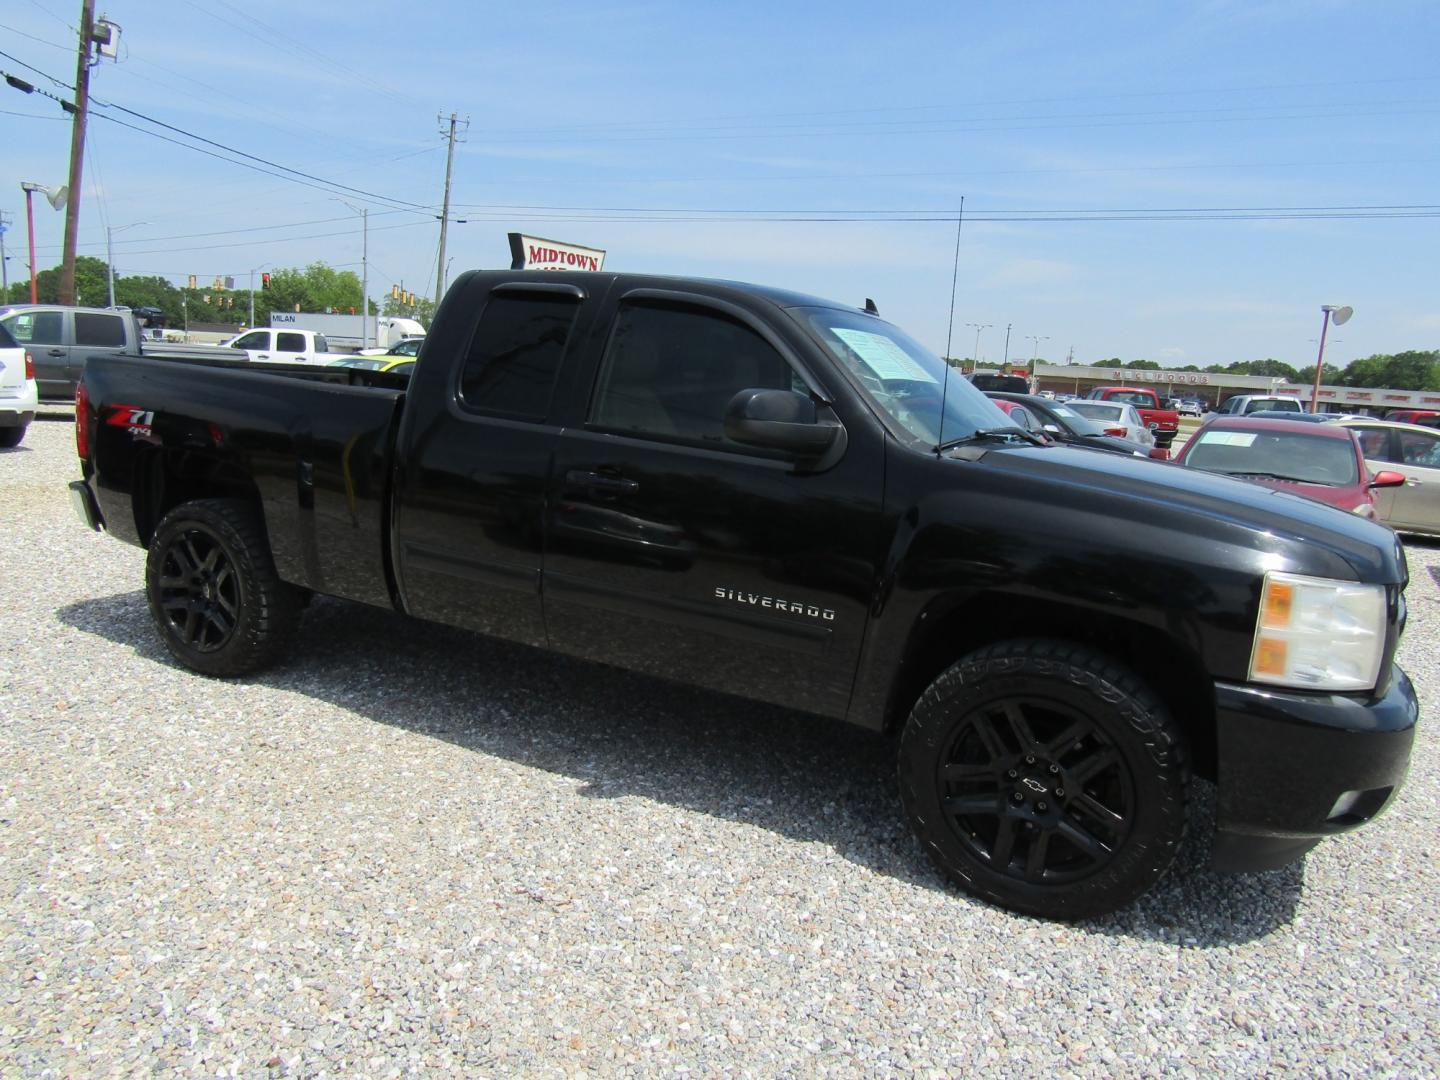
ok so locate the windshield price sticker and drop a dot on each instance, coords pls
(882, 356)
(1229, 438)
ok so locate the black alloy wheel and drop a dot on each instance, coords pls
(1045, 777)
(199, 590)
(1037, 790)
(214, 594)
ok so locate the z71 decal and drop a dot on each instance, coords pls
(136, 421)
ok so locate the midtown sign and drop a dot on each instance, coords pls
(537, 253)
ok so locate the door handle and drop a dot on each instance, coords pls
(262, 356)
(1412, 483)
(600, 483)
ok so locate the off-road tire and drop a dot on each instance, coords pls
(216, 599)
(1090, 723)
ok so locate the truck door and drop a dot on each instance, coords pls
(478, 437)
(255, 345)
(290, 348)
(673, 550)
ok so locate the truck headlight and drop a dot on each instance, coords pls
(1318, 634)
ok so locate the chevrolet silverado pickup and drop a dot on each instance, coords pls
(780, 497)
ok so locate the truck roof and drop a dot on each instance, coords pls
(783, 298)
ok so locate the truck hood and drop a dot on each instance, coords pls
(1167, 500)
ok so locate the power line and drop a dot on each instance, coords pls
(272, 240)
(330, 184)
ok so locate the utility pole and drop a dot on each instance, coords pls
(445, 211)
(4, 270)
(1006, 362)
(77, 150)
(365, 278)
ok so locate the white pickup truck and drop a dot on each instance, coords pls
(283, 346)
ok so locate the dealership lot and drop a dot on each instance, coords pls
(416, 849)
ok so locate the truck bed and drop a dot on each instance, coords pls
(314, 444)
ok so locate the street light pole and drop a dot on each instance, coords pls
(1340, 315)
(1035, 352)
(110, 253)
(30, 190)
(364, 213)
(975, 356)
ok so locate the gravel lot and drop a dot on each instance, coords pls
(414, 850)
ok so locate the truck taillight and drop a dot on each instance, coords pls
(82, 422)
(29, 367)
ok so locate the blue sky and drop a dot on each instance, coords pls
(712, 116)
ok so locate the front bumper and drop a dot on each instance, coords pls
(1295, 768)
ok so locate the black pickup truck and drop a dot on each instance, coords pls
(791, 500)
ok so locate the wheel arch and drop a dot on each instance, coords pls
(166, 478)
(952, 626)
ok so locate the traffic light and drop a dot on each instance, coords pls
(264, 281)
(394, 292)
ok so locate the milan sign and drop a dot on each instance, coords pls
(537, 253)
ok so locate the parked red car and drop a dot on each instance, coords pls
(1423, 417)
(1320, 461)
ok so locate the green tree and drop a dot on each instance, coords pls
(1413, 370)
(423, 310)
(1141, 365)
(1271, 369)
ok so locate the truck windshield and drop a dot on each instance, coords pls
(901, 377)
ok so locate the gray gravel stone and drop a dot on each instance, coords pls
(414, 851)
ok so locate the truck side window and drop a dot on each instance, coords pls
(290, 342)
(99, 330)
(515, 354)
(672, 370)
(35, 327)
(256, 339)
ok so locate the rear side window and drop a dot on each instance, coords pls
(515, 355)
(6, 340)
(36, 327)
(1419, 449)
(105, 331)
(290, 342)
(321, 344)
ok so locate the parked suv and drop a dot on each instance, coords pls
(17, 390)
(1245, 404)
(59, 339)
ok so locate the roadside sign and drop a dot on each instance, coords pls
(537, 253)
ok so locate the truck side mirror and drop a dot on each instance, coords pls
(1387, 478)
(779, 420)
